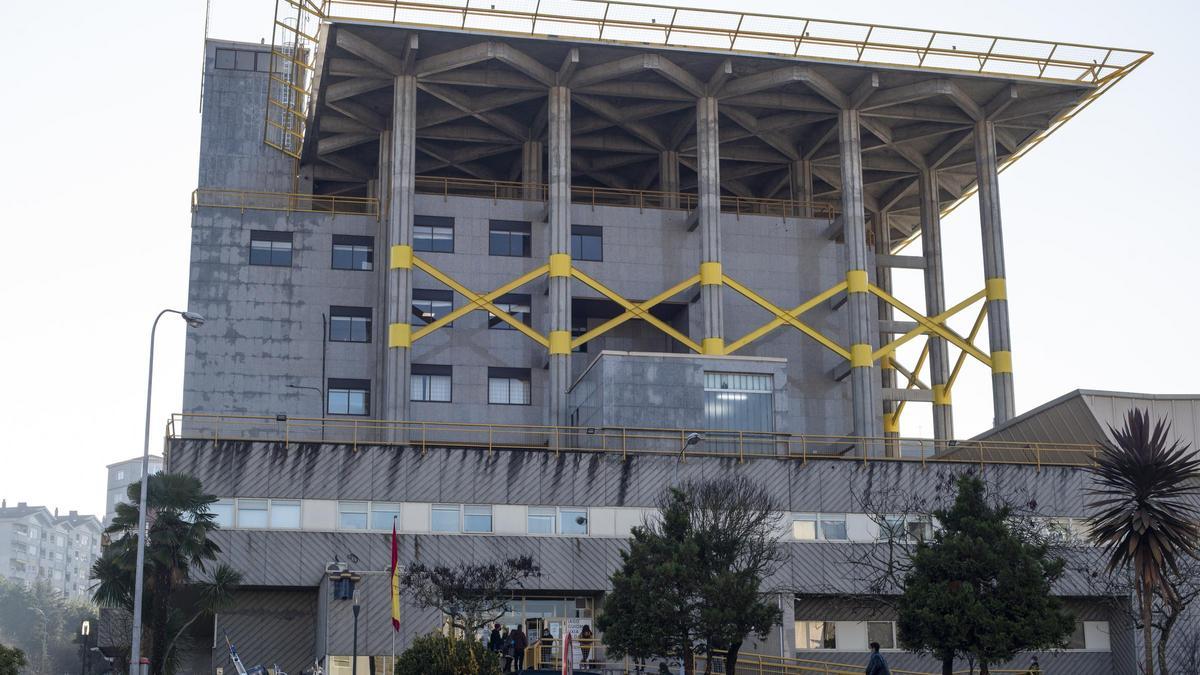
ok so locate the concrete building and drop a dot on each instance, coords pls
(120, 476)
(492, 269)
(39, 546)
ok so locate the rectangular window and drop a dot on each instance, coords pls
(541, 520)
(509, 238)
(252, 513)
(120, 474)
(477, 519)
(833, 527)
(816, 635)
(352, 515)
(433, 233)
(269, 248)
(573, 521)
(353, 252)
(508, 386)
(882, 632)
(431, 383)
(429, 305)
(226, 59)
(739, 402)
(285, 514)
(444, 518)
(515, 304)
(349, 397)
(587, 242)
(383, 515)
(245, 60)
(349, 324)
(804, 527)
(1078, 638)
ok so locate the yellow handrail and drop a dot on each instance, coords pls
(623, 441)
(283, 201)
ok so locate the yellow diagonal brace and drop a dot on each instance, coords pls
(921, 330)
(962, 356)
(788, 317)
(635, 310)
(929, 325)
(912, 380)
(477, 301)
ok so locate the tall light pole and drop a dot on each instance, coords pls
(42, 661)
(135, 651)
(321, 393)
(354, 660)
(85, 629)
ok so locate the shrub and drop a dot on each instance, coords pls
(436, 654)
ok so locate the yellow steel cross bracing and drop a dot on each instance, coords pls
(930, 325)
(478, 301)
(635, 311)
(962, 356)
(789, 317)
(912, 377)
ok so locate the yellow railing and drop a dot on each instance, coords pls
(623, 441)
(602, 196)
(777, 35)
(766, 664)
(284, 201)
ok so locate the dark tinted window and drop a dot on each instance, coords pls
(270, 248)
(349, 324)
(587, 242)
(433, 233)
(348, 397)
(516, 304)
(429, 305)
(353, 252)
(509, 238)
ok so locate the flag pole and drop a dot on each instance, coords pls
(395, 594)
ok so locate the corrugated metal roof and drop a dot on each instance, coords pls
(1084, 415)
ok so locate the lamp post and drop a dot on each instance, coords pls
(42, 661)
(354, 659)
(85, 629)
(135, 652)
(321, 394)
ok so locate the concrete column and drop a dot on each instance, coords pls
(399, 240)
(382, 272)
(864, 334)
(1003, 401)
(935, 302)
(708, 151)
(883, 279)
(559, 208)
(668, 177)
(801, 183)
(531, 170)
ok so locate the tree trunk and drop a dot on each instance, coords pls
(1147, 628)
(731, 658)
(983, 669)
(948, 665)
(689, 661)
(1164, 634)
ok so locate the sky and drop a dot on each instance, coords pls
(100, 133)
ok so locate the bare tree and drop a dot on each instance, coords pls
(471, 596)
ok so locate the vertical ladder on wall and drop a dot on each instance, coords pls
(293, 47)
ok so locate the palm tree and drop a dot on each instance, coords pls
(1144, 514)
(178, 553)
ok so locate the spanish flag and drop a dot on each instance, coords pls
(395, 579)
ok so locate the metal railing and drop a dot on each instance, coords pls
(766, 664)
(284, 201)
(622, 441)
(777, 35)
(602, 196)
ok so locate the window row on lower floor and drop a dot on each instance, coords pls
(430, 383)
(857, 636)
(425, 517)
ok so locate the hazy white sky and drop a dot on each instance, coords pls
(100, 130)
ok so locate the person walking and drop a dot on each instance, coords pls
(506, 651)
(496, 641)
(519, 643)
(877, 665)
(1034, 668)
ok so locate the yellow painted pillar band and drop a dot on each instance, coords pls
(400, 335)
(560, 342)
(856, 281)
(560, 264)
(1001, 362)
(891, 424)
(886, 362)
(996, 289)
(713, 346)
(860, 356)
(710, 274)
(402, 257)
(941, 395)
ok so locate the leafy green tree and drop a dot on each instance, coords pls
(12, 660)
(44, 624)
(692, 582)
(178, 556)
(980, 590)
(437, 654)
(1145, 515)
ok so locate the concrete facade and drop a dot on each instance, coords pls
(120, 476)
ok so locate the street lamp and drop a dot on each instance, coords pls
(45, 638)
(85, 629)
(354, 659)
(692, 439)
(135, 653)
(321, 394)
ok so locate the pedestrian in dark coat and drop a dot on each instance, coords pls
(877, 665)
